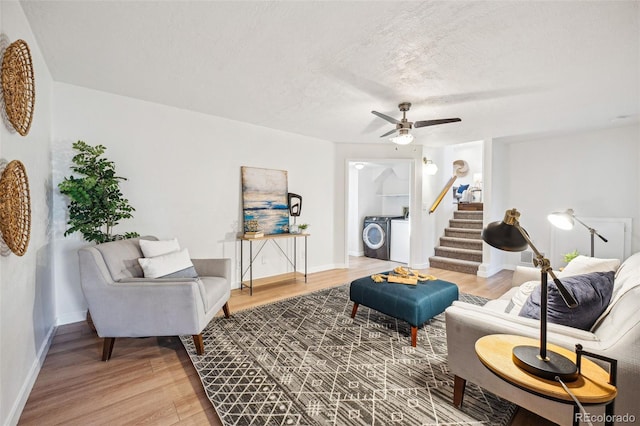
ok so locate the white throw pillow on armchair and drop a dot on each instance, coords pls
(151, 248)
(176, 264)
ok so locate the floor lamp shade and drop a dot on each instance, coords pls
(562, 220)
(565, 220)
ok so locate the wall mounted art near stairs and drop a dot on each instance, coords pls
(460, 248)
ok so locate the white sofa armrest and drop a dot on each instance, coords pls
(522, 274)
(474, 314)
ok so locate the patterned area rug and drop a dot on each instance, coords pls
(304, 361)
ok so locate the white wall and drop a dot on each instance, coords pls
(395, 189)
(183, 171)
(27, 317)
(595, 173)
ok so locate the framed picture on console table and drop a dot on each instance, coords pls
(264, 198)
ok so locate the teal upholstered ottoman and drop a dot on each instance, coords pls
(412, 303)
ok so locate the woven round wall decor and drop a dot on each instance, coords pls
(15, 207)
(18, 86)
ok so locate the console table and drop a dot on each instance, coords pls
(591, 388)
(262, 241)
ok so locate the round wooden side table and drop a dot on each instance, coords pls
(591, 388)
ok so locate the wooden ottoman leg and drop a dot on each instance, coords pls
(458, 390)
(354, 310)
(414, 335)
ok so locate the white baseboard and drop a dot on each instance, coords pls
(71, 317)
(27, 386)
(485, 270)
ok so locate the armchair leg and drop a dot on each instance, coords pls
(199, 343)
(107, 348)
(459, 385)
(225, 308)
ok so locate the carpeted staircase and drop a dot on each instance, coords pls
(460, 248)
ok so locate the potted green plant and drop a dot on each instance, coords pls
(568, 257)
(303, 228)
(96, 202)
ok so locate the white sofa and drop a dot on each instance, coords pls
(616, 334)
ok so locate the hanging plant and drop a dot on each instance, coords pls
(97, 205)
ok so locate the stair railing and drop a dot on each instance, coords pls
(444, 191)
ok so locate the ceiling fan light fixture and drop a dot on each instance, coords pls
(403, 125)
(403, 138)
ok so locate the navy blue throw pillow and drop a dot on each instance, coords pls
(592, 291)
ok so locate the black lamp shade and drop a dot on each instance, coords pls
(504, 237)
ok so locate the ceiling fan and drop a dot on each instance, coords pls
(403, 126)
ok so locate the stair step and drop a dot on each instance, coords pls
(464, 243)
(460, 254)
(475, 234)
(463, 266)
(465, 223)
(467, 214)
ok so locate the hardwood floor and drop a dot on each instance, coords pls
(152, 380)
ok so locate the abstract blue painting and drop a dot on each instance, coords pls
(264, 198)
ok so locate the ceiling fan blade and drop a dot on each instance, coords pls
(425, 123)
(390, 132)
(386, 117)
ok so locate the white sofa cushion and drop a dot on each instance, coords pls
(627, 278)
(584, 265)
(520, 296)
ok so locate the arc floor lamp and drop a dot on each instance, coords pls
(565, 220)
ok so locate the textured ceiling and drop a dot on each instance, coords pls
(506, 68)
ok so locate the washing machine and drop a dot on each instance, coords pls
(376, 236)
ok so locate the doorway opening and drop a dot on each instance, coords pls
(379, 195)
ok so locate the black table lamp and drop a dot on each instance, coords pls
(508, 235)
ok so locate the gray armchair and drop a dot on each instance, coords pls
(123, 303)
